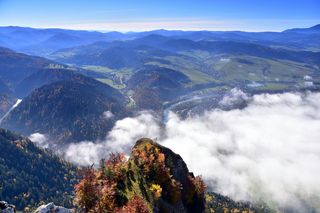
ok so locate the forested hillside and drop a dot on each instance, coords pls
(30, 175)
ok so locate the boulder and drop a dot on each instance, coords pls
(7, 208)
(51, 208)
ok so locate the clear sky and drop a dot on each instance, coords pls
(140, 15)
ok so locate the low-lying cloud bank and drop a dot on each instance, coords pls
(120, 139)
(269, 150)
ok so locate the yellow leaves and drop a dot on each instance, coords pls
(155, 187)
(209, 198)
(157, 190)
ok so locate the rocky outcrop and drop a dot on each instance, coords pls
(51, 208)
(153, 179)
(181, 191)
(7, 208)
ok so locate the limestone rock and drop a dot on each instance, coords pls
(7, 208)
(51, 208)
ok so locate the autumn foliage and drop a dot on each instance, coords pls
(135, 205)
(149, 180)
(152, 162)
(103, 190)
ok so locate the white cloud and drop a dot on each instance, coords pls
(236, 97)
(85, 153)
(121, 139)
(40, 139)
(108, 114)
(269, 150)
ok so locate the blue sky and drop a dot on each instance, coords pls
(140, 15)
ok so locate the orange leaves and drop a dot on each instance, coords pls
(115, 159)
(161, 157)
(107, 199)
(85, 190)
(115, 167)
(151, 161)
(98, 190)
(135, 205)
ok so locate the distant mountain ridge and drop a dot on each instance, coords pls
(46, 41)
(110, 53)
(313, 30)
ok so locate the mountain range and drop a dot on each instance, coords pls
(44, 41)
(89, 73)
(73, 86)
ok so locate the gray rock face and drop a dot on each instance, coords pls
(51, 208)
(7, 208)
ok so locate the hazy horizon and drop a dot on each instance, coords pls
(143, 15)
(156, 29)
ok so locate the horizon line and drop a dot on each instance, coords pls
(148, 30)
